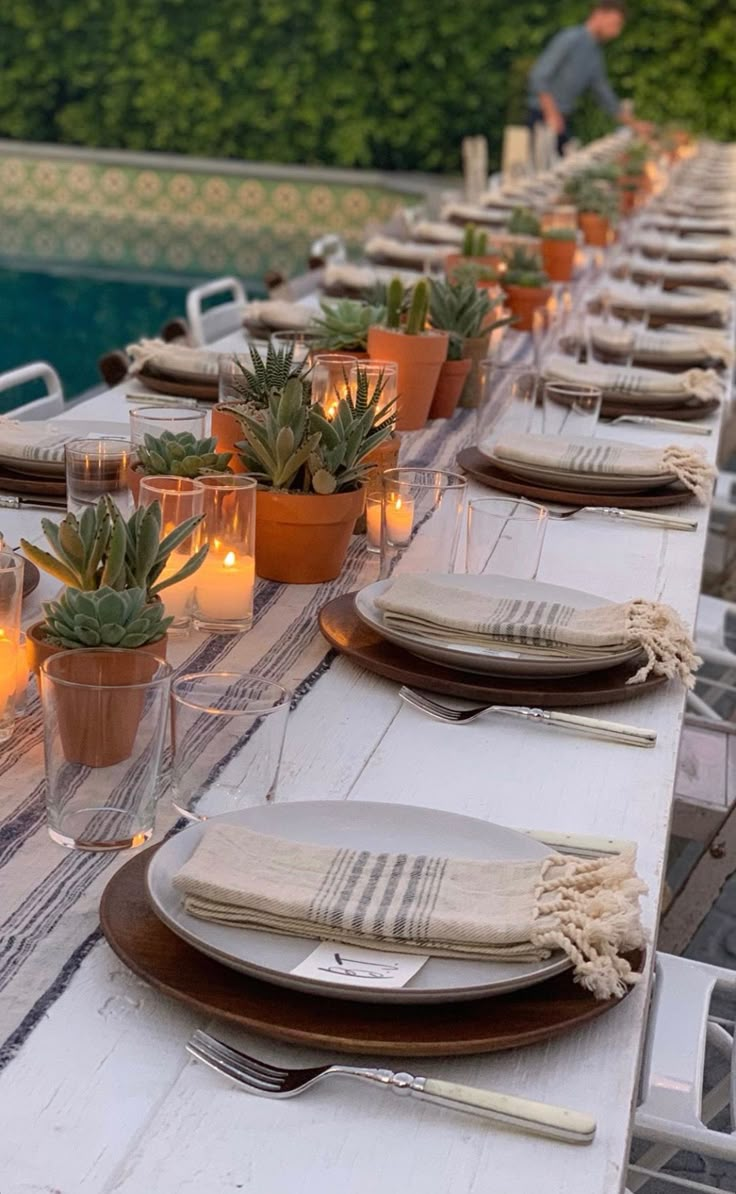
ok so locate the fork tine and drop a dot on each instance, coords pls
(427, 705)
(200, 1037)
(234, 1070)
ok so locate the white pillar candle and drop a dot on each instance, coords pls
(373, 522)
(177, 598)
(224, 587)
(399, 520)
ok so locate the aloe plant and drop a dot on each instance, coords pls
(180, 455)
(255, 386)
(104, 618)
(463, 310)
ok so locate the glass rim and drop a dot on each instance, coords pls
(446, 479)
(65, 653)
(296, 334)
(196, 484)
(510, 366)
(228, 481)
(374, 363)
(171, 412)
(334, 356)
(283, 694)
(11, 561)
(573, 387)
(529, 510)
(75, 444)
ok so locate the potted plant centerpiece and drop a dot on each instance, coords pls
(253, 388)
(558, 253)
(419, 352)
(474, 263)
(633, 181)
(593, 193)
(310, 471)
(344, 324)
(465, 313)
(527, 287)
(176, 454)
(524, 222)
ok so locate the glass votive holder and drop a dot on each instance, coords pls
(375, 375)
(231, 369)
(570, 408)
(373, 508)
(299, 342)
(227, 732)
(223, 586)
(422, 520)
(329, 377)
(105, 713)
(99, 466)
(180, 498)
(507, 402)
(154, 420)
(505, 537)
(22, 675)
(11, 597)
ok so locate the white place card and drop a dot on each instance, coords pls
(351, 966)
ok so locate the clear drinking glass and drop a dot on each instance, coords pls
(154, 420)
(330, 373)
(300, 342)
(224, 584)
(11, 652)
(505, 536)
(98, 466)
(570, 409)
(385, 373)
(227, 738)
(105, 713)
(230, 384)
(180, 498)
(508, 398)
(422, 517)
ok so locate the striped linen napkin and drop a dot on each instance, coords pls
(619, 381)
(170, 358)
(681, 304)
(691, 248)
(457, 908)
(605, 457)
(406, 252)
(666, 345)
(717, 225)
(721, 274)
(278, 314)
(25, 441)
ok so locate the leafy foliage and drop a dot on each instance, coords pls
(523, 222)
(180, 454)
(524, 269)
(104, 618)
(461, 309)
(321, 81)
(343, 325)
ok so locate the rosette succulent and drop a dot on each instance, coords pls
(343, 325)
(180, 455)
(104, 618)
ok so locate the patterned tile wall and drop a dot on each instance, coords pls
(123, 216)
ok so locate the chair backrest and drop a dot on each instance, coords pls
(226, 317)
(516, 154)
(52, 403)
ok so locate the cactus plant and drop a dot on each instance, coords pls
(523, 222)
(418, 308)
(524, 269)
(343, 325)
(100, 550)
(563, 234)
(180, 455)
(475, 242)
(394, 303)
(104, 618)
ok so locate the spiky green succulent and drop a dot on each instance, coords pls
(254, 386)
(180, 455)
(564, 234)
(460, 308)
(524, 269)
(104, 618)
(294, 446)
(343, 325)
(101, 550)
(593, 191)
(523, 222)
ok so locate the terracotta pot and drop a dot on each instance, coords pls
(449, 388)
(302, 538)
(595, 229)
(98, 728)
(523, 301)
(558, 259)
(228, 432)
(475, 349)
(419, 359)
(133, 478)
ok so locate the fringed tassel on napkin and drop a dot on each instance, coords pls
(691, 468)
(704, 384)
(589, 908)
(662, 634)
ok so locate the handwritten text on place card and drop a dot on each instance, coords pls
(354, 967)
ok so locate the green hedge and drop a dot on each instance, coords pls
(337, 82)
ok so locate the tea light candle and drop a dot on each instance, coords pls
(224, 586)
(373, 521)
(399, 520)
(177, 598)
(8, 676)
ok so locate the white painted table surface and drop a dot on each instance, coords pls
(102, 1097)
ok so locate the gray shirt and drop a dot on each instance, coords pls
(571, 64)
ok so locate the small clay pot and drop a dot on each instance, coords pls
(523, 301)
(40, 650)
(475, 349)
(228, 432)
(303, 538)
(449, 388)
(596, 229)
(558, 259)
(419, 359)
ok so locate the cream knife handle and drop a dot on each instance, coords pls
(672, 425)
(594, 727)
(658, 520)
(542, 1119)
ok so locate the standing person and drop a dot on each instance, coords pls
(573, 63)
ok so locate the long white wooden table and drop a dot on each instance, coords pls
(101, 1098)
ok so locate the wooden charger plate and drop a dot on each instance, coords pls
(189, 389)
(31, 577)
(157, 955)
(343, 629)
(31, 486)
(611, 409)
(478, 466)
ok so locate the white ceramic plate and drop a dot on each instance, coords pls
(355, 825)
(580, 482)
(70, 429)
(501, 660)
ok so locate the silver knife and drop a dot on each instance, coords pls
(11, 501)
(664, 521)
(665, 424)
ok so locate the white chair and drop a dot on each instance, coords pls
(220, 320)
(516, 153)
(52, 403)
(675, 1111)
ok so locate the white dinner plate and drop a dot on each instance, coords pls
(392, 828)
(503, 659)
(68, 430)
(582, 482)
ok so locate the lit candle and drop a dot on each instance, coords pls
(373, 521)
(8, 680)
(224, 587)
(177, 598)
(399, 520)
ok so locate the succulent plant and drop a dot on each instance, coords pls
(343, 325)
(474, 272)
(100, 550)
(524, 269)
(418, 308)
(559, 234)
(180, 455)
(475, 243)
(523, 222)
(461, 309)
(294, 446)
(394, 303)
(593, 191)
(255, 386)
(104, 618)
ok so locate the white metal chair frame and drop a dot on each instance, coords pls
(674, 1110)
(40, 408)
(226, 317)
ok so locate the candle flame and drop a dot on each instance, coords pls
(397, 504)
(229, 559)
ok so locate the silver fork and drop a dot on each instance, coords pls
(591, 727)
(665, 522)
(277, 1082)
(686, 427)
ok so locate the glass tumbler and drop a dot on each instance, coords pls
(224, 584)
(570, 409)
(422, 517)
(505, 536)
(330, 373)
(12, 653)
(105, 713)
(507, 403)
(382, 374)
(300, 343)
(180, 498)
(99, 466)
(227, 738)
